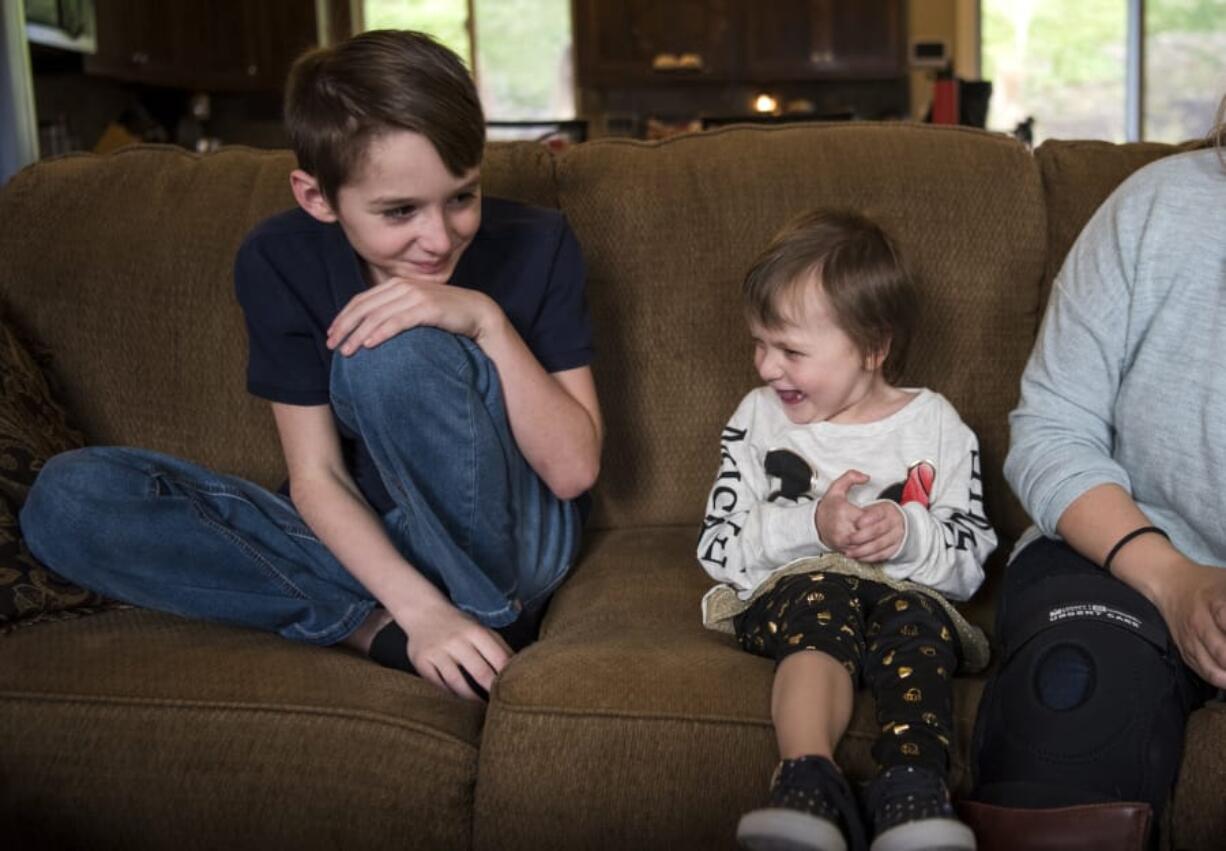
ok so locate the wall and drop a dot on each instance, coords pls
(956, 22)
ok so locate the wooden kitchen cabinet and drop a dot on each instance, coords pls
(816, 39)
(136, 40)
(209, 45)
(648, 41)
(282, 30)
(870, 38)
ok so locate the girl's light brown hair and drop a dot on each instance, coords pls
(339, 99)
(856, 265)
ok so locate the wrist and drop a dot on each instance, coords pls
(1127, 539)
(900, 552)
(1153, 567)
(411, 598)
(492, 324)
(817, 526)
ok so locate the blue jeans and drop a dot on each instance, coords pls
(470, 513)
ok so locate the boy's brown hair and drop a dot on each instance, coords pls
(857, 266)
(340, 98)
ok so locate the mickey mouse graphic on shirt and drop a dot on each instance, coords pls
(795, 478)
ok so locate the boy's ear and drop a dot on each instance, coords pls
(310, 196)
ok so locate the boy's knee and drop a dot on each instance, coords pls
(84, 476)
(416, 348)
(60, 477)
(49, 507)
(406, 366)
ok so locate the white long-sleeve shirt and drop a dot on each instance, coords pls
(772, 473)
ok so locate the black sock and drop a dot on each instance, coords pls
(390, 648)
(523, 630)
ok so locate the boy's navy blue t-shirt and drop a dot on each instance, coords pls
(293, 275)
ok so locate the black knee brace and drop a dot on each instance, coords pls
(1089, 702)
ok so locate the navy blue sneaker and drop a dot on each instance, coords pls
(811, 809)
(910, 810)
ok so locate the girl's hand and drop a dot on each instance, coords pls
(879, 532)
(396, 305)
(868, 534)
(836, 517)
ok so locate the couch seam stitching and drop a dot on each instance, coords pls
(222, 707)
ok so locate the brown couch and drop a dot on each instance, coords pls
(628, 725)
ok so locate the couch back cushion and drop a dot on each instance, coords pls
(668, 229)
(1078, 175)
(121, 267)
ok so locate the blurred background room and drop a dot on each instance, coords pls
(94, 75)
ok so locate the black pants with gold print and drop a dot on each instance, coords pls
(901, 644)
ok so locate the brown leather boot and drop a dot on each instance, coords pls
(1090, 827)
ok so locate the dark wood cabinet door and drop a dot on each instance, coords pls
(870, 38)
(209, 45)
(136, 40)
(636, 41)
(279, 31)
(823, 39)
(789, 39)
(215, 45)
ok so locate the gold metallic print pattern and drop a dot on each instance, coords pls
(894, 639)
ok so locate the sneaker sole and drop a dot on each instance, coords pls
(788, 830)
(934, 834)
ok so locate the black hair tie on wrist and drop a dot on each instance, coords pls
(1135, 533)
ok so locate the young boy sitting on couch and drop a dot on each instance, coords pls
(426, 352)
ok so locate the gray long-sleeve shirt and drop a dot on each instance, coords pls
(1127, 382)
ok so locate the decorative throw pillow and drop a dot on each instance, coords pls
(32, 429)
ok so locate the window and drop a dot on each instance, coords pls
(1185, 76)
(522, 49)
(1067, 65)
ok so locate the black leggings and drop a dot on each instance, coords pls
(900, 643)
(1090, 698)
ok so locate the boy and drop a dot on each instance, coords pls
(426, 353)
(881, 483)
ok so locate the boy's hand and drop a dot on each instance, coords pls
(869, 534)
(442, 639)
(398, 304)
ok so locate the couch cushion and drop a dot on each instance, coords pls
(1199, 819)
(32, 429)
(631, 726)
(668, 229)
(132, 292)
(133, 730)
(1078, 175)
